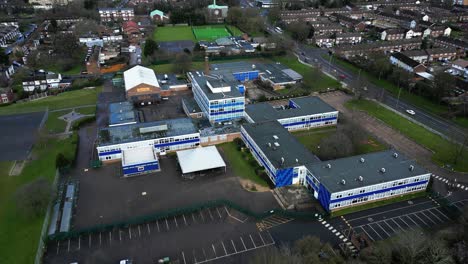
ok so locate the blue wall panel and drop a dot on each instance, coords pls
(140, 168)
(110, 153)
(284, 177)
(309, 122)
(177, 143)
(324, 197)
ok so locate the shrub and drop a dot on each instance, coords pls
(32, 198)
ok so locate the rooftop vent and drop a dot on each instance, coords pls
(411, 167)
(362, 160)
(297, 160)
(269, 144)
(343, 181)
(282, 160)
(276, 144)
(382, 170)
(275, 137)
(395, 155)
(329, 165)
(360, 178)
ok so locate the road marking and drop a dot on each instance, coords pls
(375, 231)
(100, 239)
(252, 240)
(185, 221)
(79, 242)
(218, 212)
(193, 253)
(157, 224)
(371, 237)
(383, 229)
(224, 248)
(58, 247)
(167, 224)
(110, 237)
(405, 222)
(149, 231)
(139, 231)
(413, 221)
(327, 225)
(442, 214)
(399, 226)
(175, 220)
(234, 246)
(389, 226)
(183, 257)
(436, 216)
(193, 217)
(120, 235)
(428, 218)
(203, 218)
(214, 250)
(68, 245)
(341, 237)
(263, 241)
(130, 232)
(209, 212)
(89, 239)
(420, 219)
(242, 240)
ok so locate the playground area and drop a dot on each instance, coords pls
(210, 33)
(195, 34)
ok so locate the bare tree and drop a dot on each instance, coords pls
(336, 146)
(182, 63)
(32, 198)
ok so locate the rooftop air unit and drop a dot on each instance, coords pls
(343, 181)
(329, 165)
(360, 178)
(362, 160)
(382, 170)
(275, 137)
(276, 144)
(269, 144)
(282, 160)
(411, 167)
(395, 155)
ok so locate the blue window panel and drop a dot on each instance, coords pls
(284, 177)
(311, 183)
(226, 105)
(177, 143)
(227, 112)
(241, 89)
(292, 104)
(324, 197)
(379, 191)
(310, 121)
(140, 168)
(110, 153)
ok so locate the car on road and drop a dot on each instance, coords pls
(411, 112)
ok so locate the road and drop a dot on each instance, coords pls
(442, 126)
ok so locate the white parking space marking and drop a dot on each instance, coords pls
(58, 247)
(420, 219)
(185, 221)
(442, 214)
(435, 216)
(139, 231)
(375, 231)
(383, 229)
(157, 224)
(428, 218)
(219, 214)
(183, 257)
(209, 212)
(175, 220)
(412, 221)
(167, 224)
(79, 242)
(399, 226)
(233, 245)
(368, 235)
(390, 226)
(242, 240)
(149, 231)
(225, 251)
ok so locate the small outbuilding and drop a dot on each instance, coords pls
(200, 161)
(139, 161)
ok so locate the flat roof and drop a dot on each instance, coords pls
(191, 105)
(350, 168)
(138, 156)
(146, 131)
(287, 147)
(309, 105)
(201, 80)
(200, 159)
(121, 113)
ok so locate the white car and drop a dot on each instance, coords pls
(411, 112)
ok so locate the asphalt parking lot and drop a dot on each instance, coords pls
(18, 134)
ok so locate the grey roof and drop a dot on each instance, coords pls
(405, 59)
(309, 105)
(121, 113)
(132, 133)
(201, 80)
(350, 168)
(289, 147)
(191, 105)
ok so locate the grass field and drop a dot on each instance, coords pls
(63, 100)
(314, 80)
(444, 150)
(54, 124)
(173, 33)
(241, 167)
(311, 140)
(235, 31)
(75, 70)
(19, 237)
(210, 33)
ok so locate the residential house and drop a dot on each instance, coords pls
(413, 33)
(392, 34)
(9, 32)
(116, 14)
(447, 42)
(402, 61)
(380, 46)
(6, 95)
(158, 16)
(132, 31)
(322, 40)
(420, 56)
(109, 51)
(361, 26)
(441, 54)
(460, 67)
(6, 71)
(329, 29)
(348, 38)
(306, 15)
(437, 31)
(343, 20)
(340, 10)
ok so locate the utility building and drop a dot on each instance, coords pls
(141, 85)
(138, 161)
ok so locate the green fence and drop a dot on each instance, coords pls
(180, 211)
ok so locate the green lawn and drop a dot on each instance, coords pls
(444, 151)
(63, 100)
(19, 237)
(235, 31)
(86, 110)
(75, 70)
(241, 167)
(169, 33)
(311, 140)
(210, 33)
(370, 205)
(54, 124)
(313, 78)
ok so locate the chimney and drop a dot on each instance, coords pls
(207, 66)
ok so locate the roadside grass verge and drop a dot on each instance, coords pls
(19, 236)
(242, 167)
(371, 205)
(444, 150)
(63, 100)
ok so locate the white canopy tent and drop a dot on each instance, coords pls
(200, 159)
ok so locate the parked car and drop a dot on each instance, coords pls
(411, 112)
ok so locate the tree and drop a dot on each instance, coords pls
(299, 30)
(182, 63)
(3, 57)
(335, 146)
(150, 47)
(32, 198)
(443, 83)
(85, 27)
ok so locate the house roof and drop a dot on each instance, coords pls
(138, 75)
(461, 63)
(405, 59)
(157, 12)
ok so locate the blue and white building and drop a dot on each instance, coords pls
(336, 184)
(163, 136)
(300, 113)
(280, 153)
(366, 178)
(138, 161)
(220, 101)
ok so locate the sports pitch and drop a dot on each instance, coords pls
(210, 33)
